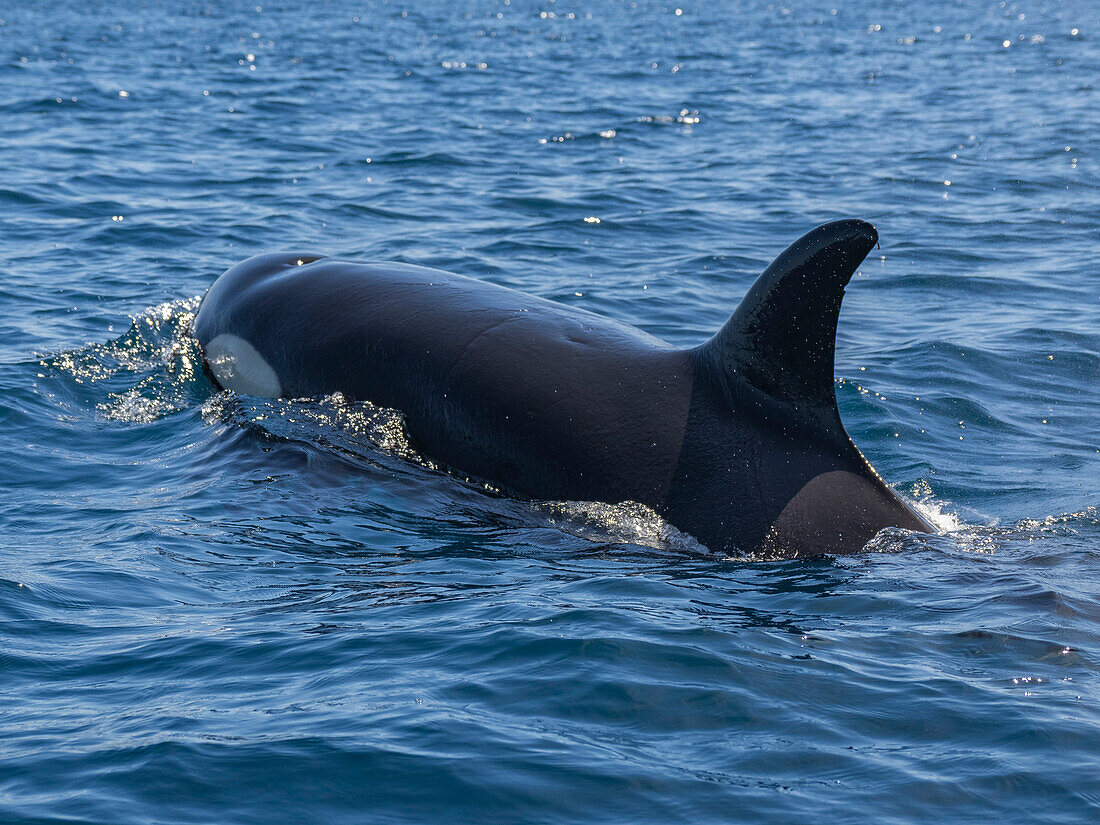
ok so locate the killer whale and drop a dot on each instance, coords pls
(737, 441)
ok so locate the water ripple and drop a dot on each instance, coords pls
(214, 607)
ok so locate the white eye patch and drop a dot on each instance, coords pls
(238, 366)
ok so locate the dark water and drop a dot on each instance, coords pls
(219, 609)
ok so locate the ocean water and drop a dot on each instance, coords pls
(216, 608)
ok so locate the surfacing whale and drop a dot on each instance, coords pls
(737, 441)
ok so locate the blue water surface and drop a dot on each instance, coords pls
(221, 609)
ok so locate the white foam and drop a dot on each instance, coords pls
(934, 513)
(239, 367)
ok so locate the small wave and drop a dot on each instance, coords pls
(685, 117)
(360, 430)
(149, 372)
(625, 523)
(1089, 516)
(956, 535)
(332, 422)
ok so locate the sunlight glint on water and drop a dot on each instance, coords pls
(216, 608)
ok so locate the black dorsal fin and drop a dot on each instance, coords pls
(782, 336)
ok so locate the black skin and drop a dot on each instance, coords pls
(737, 441)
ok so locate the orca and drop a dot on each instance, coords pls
(737, 441)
